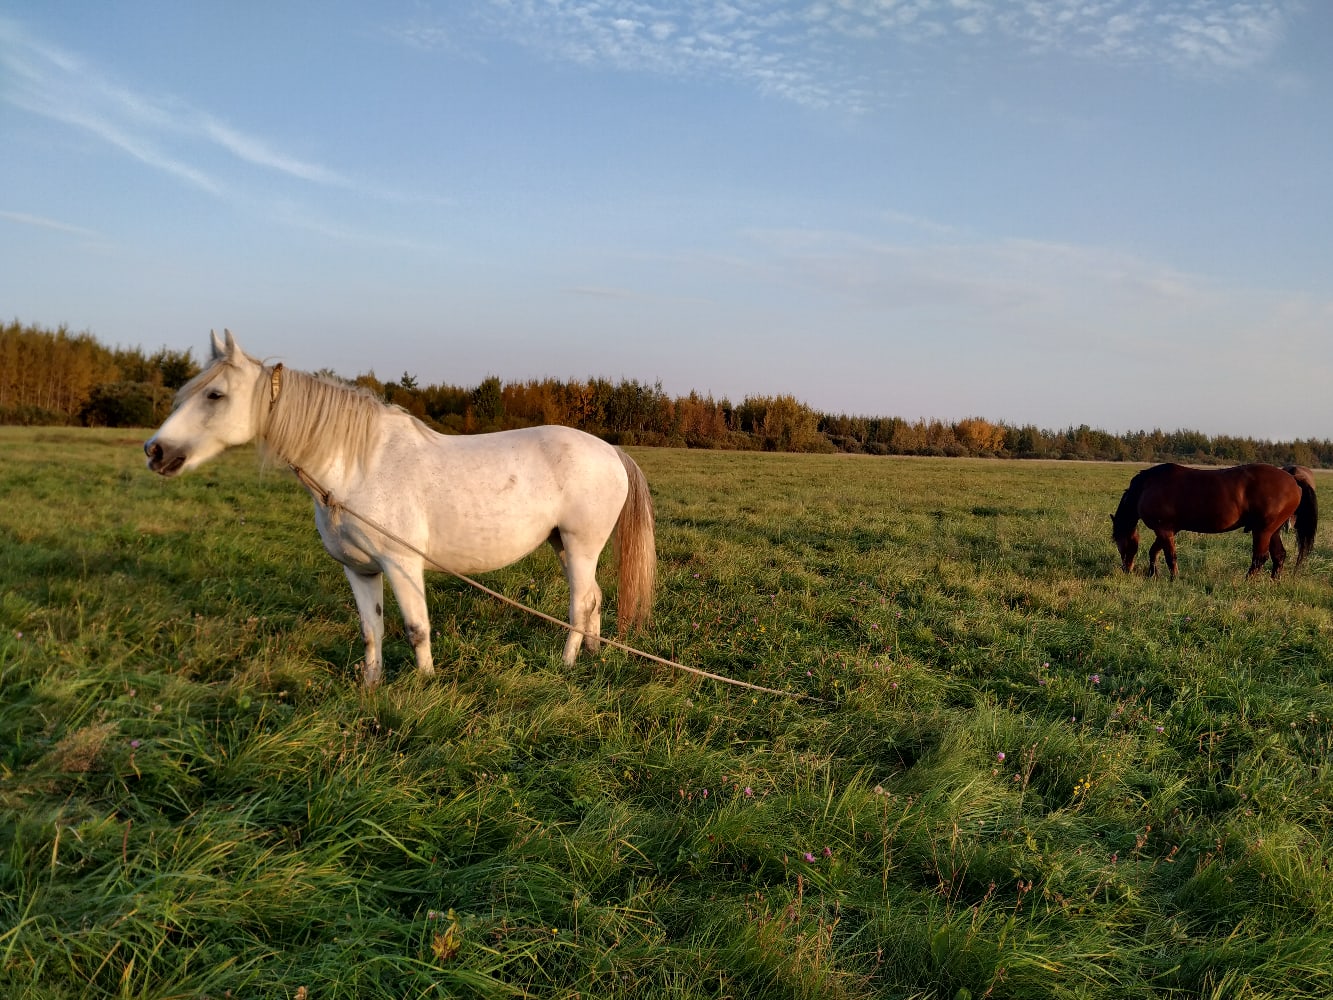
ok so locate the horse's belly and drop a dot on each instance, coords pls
(480, 547)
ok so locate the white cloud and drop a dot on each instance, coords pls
(160, 132)
(40, 222)
(809, 53)
(256, 151)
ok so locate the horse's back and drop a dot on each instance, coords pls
(1180, 498)
(483, 501)
(548, 456)
(1270, 488)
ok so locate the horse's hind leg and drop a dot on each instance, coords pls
(1275, 549)
(585, 598)
(368, 592)
(1153, 551)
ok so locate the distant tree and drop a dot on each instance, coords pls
(53, 371)
(782, 423)
(126, 404)
(701, 421)
(979, 437)
(1024, 442)
(488, 401)
(368, 381)
(176, 367)
(445, 400)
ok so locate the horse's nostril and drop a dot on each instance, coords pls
(152, 449)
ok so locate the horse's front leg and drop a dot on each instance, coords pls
(409, 587)
(368, 591)
(1266, 545)
(1169, 550)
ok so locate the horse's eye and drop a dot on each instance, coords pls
(214, 394)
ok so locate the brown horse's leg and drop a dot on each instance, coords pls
(1278, 551)
(1157, 545)
(1263, 541)
(1169, 549)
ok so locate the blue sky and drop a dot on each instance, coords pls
(1113, 212)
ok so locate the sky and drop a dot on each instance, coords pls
(1058, 212)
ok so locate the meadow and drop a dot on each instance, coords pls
(1012, 771)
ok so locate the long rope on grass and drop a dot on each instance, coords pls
(325, 497)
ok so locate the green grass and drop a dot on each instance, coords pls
(196, 799)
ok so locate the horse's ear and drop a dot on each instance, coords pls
(232, 349)
(219, 350)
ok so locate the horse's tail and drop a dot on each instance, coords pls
(1307, 518)
(636, 550)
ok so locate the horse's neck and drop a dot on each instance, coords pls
(323, 429)
(1127, 514)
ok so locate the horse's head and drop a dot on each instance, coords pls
(215, 410)
(1127, 542)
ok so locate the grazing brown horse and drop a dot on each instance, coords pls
(1258, 498)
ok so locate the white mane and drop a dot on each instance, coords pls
(315, 420)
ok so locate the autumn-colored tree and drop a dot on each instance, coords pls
(979, 437)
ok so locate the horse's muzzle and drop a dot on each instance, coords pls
(159, 461)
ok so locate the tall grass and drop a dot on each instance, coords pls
(1027, 775)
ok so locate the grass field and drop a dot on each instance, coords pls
(1027, 775)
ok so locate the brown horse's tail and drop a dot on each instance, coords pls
(1307, 518)
(636, 550)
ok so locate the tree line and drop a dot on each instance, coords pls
(58, 377)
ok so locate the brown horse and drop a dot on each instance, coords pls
(1257, 498)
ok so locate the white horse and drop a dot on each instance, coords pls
(462, 504)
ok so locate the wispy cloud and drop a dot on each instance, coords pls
(160, 132)
(836, 53)
(259, 153)
(24, 219)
